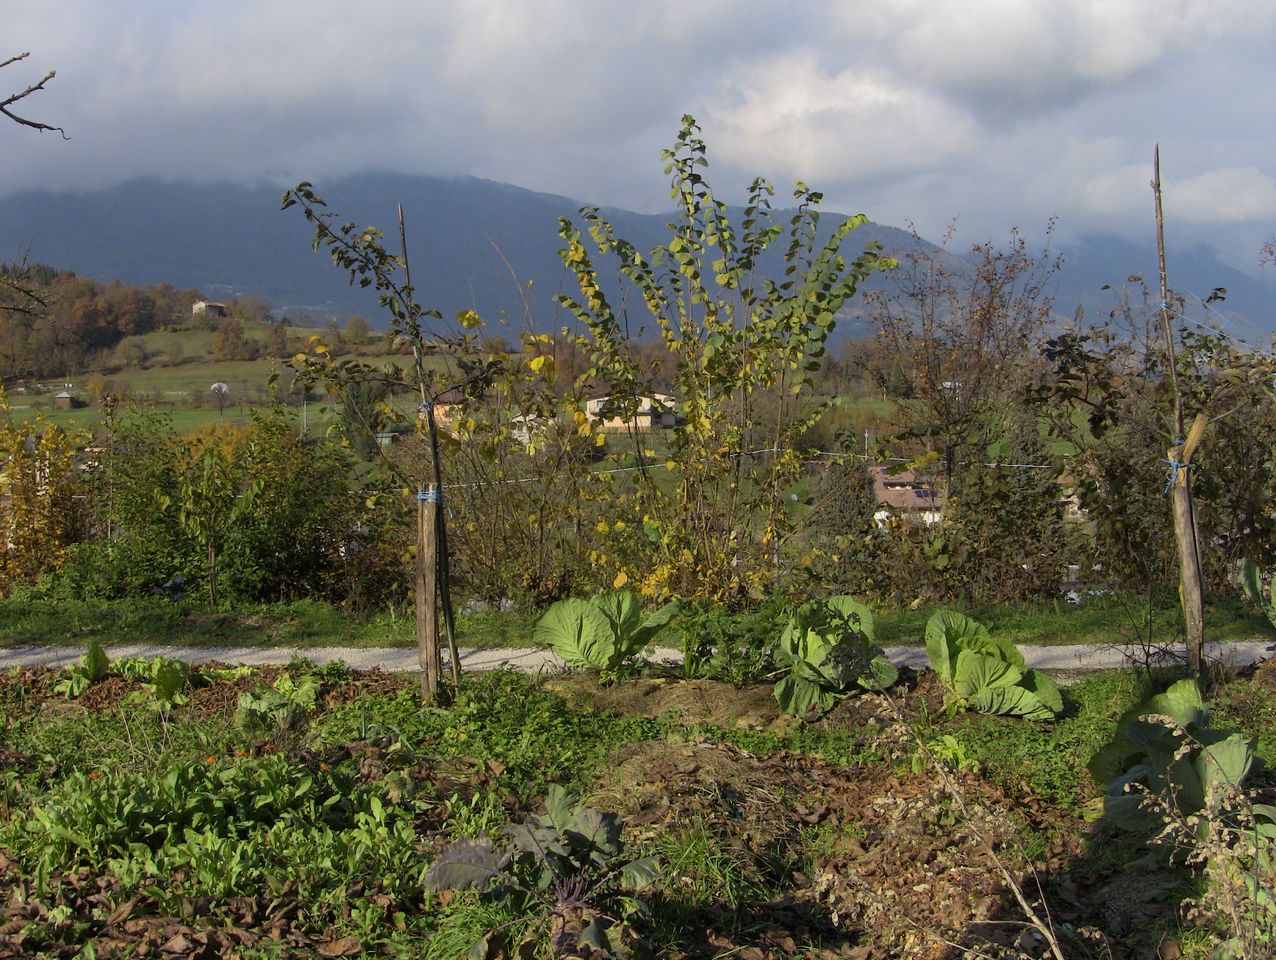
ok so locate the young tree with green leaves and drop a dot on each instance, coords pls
(713, 511)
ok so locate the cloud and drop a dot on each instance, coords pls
(1017, 57)
(993, 111)
(793, 118)
(1119, 193)
(1223, 196)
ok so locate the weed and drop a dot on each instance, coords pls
(702, 871)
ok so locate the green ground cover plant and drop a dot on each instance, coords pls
(336, 816)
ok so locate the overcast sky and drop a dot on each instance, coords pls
(994, 113)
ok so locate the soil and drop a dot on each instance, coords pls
(692, 701)
(874, 864)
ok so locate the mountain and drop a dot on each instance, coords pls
(1248, 310)
(473, 244)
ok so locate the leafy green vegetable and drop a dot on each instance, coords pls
(828, 649)
(272, 710)
(165, 678)
(569, 860)
(986, 673)
(604, 633)
(1166, 756)
(87, 671)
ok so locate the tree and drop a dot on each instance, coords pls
(133, 352)
(1140, 378)
(360, 252)
(39, 515)
(229, 343)
(277, 341)
(357, 330)
(957, 332)
(19, 296)
(209, 502)
(8, 103)
(744, 353)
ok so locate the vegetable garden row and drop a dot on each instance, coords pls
(825, 805)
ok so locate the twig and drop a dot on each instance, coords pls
(33, 88)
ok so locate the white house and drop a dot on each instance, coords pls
(656, 411)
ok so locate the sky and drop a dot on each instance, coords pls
(988, 113)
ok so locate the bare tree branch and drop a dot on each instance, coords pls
(15, 98)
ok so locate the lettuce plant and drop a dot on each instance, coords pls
(985, 673)
(828, 650)
(1165, 756)
(81, 675)
(605, 632)
(168, 680)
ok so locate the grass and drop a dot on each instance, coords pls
(36, 621)
(304, 623)
(1116, 618)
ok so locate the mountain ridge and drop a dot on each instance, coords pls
(474, 244)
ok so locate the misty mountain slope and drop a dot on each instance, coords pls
(473, 244)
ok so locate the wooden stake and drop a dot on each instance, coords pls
(427, 622)
(1191, 593)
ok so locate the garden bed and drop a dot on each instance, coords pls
(129, 831)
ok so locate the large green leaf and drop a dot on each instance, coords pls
(637, 874)
(1252, 584)
(623, 612)
(994, 647)
(95, 662)
(853, 613)
(1182, 701)
(944, 632)
(1129, 811)
(1113, 759)
(1225, 763)
(464, 864)
(1012, 700)
(653, 625)
(1046, 690)
(977, 673)
(881, 672)
(798, 696)
(578, 632)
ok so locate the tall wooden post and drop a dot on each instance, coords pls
(427, 566)
(1191, 593)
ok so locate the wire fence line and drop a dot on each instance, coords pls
(819, 456)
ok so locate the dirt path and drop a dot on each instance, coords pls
(1064, 660)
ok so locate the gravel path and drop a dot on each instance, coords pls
(1077, 658)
